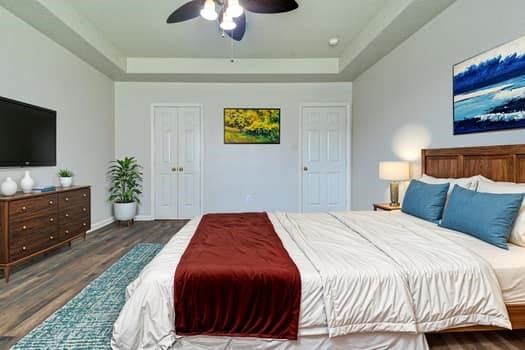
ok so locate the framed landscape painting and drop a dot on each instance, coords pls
(252, 125)
(489, 90)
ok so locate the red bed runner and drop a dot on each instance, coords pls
(236, 279)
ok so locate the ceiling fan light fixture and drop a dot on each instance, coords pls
(208, 11)
(234, 8)
(227, 22)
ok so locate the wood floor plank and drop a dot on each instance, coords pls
(43, 285)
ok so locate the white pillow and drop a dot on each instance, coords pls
(470, 183)
(517, 235)
(482, 178)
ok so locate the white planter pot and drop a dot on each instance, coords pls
(65, 181)
(125, 211)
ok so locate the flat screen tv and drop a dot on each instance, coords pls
(27, 134)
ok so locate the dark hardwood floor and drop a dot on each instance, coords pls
(508, 340)
(43, 285)
(39, 287)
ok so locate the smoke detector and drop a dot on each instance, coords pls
(333, 41)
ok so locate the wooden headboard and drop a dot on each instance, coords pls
(499, 163)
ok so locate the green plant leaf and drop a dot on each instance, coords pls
(65, 173)
(126, 179)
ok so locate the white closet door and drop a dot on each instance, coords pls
(165, 163)
(189, 154)
(324, 158)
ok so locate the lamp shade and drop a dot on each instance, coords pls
(227, 22)
(234, 9)
(208, 11)
(394, 171)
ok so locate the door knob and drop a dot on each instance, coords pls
(305, 168)
(181, 169)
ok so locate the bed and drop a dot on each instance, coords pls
(498, 163)
(334, 259)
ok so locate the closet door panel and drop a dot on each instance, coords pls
(189, 155)
(166, 163)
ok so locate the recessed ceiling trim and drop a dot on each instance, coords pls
(373, 29)
(146, 65)
(71, 18)
(69, 27)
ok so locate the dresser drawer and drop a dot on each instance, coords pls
(23, 244)
(74, 199)
(68, 230)
(44, 224)
(27, 209)
(77, 211)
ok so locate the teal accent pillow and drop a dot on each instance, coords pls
(426, 201)
(487, 216)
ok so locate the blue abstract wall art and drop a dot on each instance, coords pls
(489, 90)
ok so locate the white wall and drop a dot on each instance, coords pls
(36, 70)
(267, 173)
(404, 102)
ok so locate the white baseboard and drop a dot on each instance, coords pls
(101, 224)
(108, 221)
(144, 218)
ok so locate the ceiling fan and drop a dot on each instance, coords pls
(231, 15)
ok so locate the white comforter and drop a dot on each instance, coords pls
(360, 272)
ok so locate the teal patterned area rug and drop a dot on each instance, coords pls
(86, 321)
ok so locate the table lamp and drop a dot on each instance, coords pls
(394, 172)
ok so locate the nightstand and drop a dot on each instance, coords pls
(385, 207)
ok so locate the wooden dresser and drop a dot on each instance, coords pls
(32, 224)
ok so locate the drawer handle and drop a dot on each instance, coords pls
(24, 227)
(51, 220)
(84, 224)
(84, 209)
(51, 238)
(67, 215)
(24, 248)
(67, 232)
(67, 198)
(51, 202)
(24, 208)
(84, 195)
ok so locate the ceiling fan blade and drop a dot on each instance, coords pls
(269, 6)
(186, 12)
(238, 33)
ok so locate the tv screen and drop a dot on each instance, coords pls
(27, 134)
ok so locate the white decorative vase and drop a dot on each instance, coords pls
(9, 187)
(27, 183)
(125, 211)
(66, 181)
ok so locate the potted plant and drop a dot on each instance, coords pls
(65, 176)
(125, 189)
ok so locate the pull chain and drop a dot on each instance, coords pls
(232, 56)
